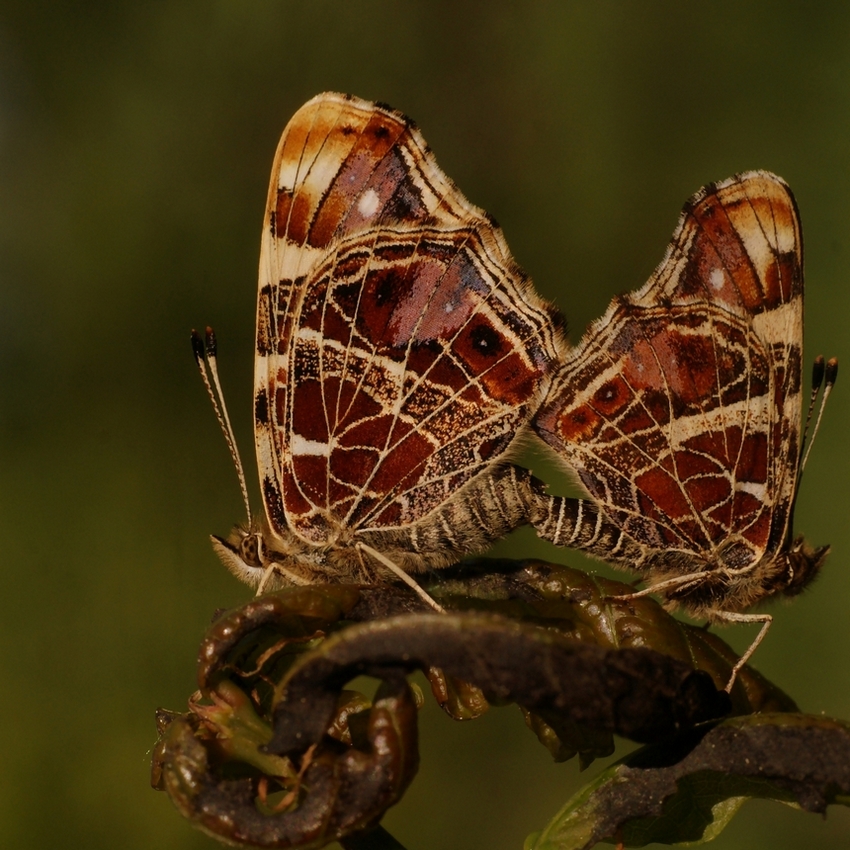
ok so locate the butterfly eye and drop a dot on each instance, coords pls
(249, 550)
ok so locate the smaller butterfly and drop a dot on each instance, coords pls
(400, 351)
(680, 413)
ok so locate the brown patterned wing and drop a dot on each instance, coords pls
(680, 408)
(399, 347)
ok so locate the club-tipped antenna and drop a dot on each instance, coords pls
(827, 375)
(206, 356)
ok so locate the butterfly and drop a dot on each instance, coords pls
(400, 351)
(680, 413)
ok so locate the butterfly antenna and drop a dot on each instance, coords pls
(206, 356)
(828, 375)
(817, 380)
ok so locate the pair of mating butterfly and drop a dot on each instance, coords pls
(401, 351)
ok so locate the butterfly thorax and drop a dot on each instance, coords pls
(724, 584)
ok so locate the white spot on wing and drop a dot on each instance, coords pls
(786, 239)
(757, 490)
(299, 446)
(368, 204)
(716, 279)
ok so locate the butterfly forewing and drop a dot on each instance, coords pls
(680, 408)
(399, 348)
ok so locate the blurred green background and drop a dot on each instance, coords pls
(135, 146)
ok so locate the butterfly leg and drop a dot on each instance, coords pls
(692, 580)
(677, 582)
(400, 573)
(269, 571)
(274, 568)
(732, 617)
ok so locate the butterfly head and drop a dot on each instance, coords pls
(264, 560)
(802, 565)
(243, 553)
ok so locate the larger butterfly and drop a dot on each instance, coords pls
(680, 412)
(400, 351)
